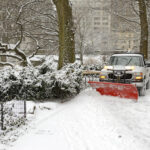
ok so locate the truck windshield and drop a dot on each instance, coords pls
(126, 60)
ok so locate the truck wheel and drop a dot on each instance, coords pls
(142, 91)
(148, 85)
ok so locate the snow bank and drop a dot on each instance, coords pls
(90, 121)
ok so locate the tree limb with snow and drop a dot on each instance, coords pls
(29, 22)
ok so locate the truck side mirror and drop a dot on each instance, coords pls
(147, 64)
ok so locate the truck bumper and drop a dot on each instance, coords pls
(138, 84)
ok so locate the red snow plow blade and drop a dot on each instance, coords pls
(115, 89)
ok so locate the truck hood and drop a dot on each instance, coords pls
(119, 67)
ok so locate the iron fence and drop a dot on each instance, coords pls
(12, 113)
(90, 76)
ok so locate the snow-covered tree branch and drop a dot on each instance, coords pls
(24, 23)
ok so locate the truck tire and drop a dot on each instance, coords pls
(142, 91)
(148, 85)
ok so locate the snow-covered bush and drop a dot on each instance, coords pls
(49, 65)
(43, 82)
(35, 84)
(60, 83)
(9, 84)
(93, 62)
(97, 67)
(68, 81)
(14, 81)
(57, 84)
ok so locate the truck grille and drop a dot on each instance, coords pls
(125, 76)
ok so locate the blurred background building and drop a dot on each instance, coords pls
(109, 25)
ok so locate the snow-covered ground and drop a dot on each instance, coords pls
(88, 122)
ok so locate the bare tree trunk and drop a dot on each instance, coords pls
(144, 28)
(81, 49)
(81, 55)
(66, 33)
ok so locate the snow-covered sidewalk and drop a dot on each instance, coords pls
(90, 122)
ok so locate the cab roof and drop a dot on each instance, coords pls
(129, 54)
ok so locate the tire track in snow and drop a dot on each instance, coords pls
(134, 116)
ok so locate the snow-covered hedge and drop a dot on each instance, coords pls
(57, 84)
(41, 83)
(49, 65)
(68, 81)
(97, 67)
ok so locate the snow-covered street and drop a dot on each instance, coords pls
(89, 122)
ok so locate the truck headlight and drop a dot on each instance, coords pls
(129, 68)
(138, 76)
(108, 67)
(103, 76)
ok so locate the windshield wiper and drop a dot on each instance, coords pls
(129, 61)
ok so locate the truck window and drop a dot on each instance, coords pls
(126, 60)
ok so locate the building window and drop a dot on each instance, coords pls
(105, 23)
(97, 23)
(96, 18)
(105, 18)
(96, 28)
